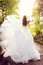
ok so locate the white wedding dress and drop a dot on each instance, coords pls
(20, 45)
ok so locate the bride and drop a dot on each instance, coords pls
(20, 44)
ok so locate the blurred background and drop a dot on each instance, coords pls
(33, 9)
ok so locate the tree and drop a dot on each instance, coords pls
(8, 7)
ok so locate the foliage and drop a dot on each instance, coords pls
(9, 7)
(32, 29)
(36, 29)
(41, 26)
(37, 26)
(36, 15)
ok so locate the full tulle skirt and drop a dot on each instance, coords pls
(20, 43)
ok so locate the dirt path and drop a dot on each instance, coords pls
(40, 48)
